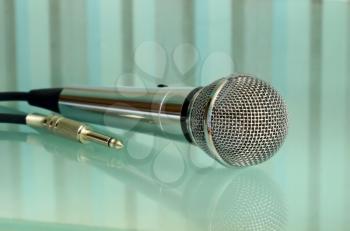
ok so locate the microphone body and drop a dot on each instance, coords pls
(160, 111)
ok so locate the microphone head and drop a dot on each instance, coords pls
(239, 120)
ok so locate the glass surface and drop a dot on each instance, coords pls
(300, 47)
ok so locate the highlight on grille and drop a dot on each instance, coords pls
(244, 118)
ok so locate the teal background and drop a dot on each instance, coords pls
(300, 46)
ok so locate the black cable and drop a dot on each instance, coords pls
(43, 98)
(13, 118)
(10, 117)
(14, 96)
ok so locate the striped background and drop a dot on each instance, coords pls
(300, 46)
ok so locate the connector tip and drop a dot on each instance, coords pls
(117, 144)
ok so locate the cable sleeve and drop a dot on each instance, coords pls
(45, 98)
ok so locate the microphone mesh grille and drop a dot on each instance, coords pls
(197, 115)
(249, 120)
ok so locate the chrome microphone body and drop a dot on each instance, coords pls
(158, 111)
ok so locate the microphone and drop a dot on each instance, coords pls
(238, 120)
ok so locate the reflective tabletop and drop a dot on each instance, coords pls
(144, 187)
(301, 47)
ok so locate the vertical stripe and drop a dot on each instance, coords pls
(296, 146)
(188, 37)
(10, 157)
(218, 61)
(38, 59)
(144, 26)
(75, 187)
(279, 68)
(131, 205)
(59, 179)
(213, 41)
(279, 44)
(314, 115)
(8, 74)
(26, 174)
(8, 45)
(71, 59)
(94, 42)
(3, 32)
(333, 96)
(23, 83)
(94, 76)
(190, 60)
(258, 38)
(38, 33)
(22, 45)
(37, 175)
(55, 42)
(128, 39)
(73, 42)
(56, 79)
(201, 32)
(168, 34)
(131, 208)
(346, 162)
(238, 35)
(10, 180)
(111, 41)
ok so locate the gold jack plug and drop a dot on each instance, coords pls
(71, 129)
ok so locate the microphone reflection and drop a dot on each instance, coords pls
(209, 198)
